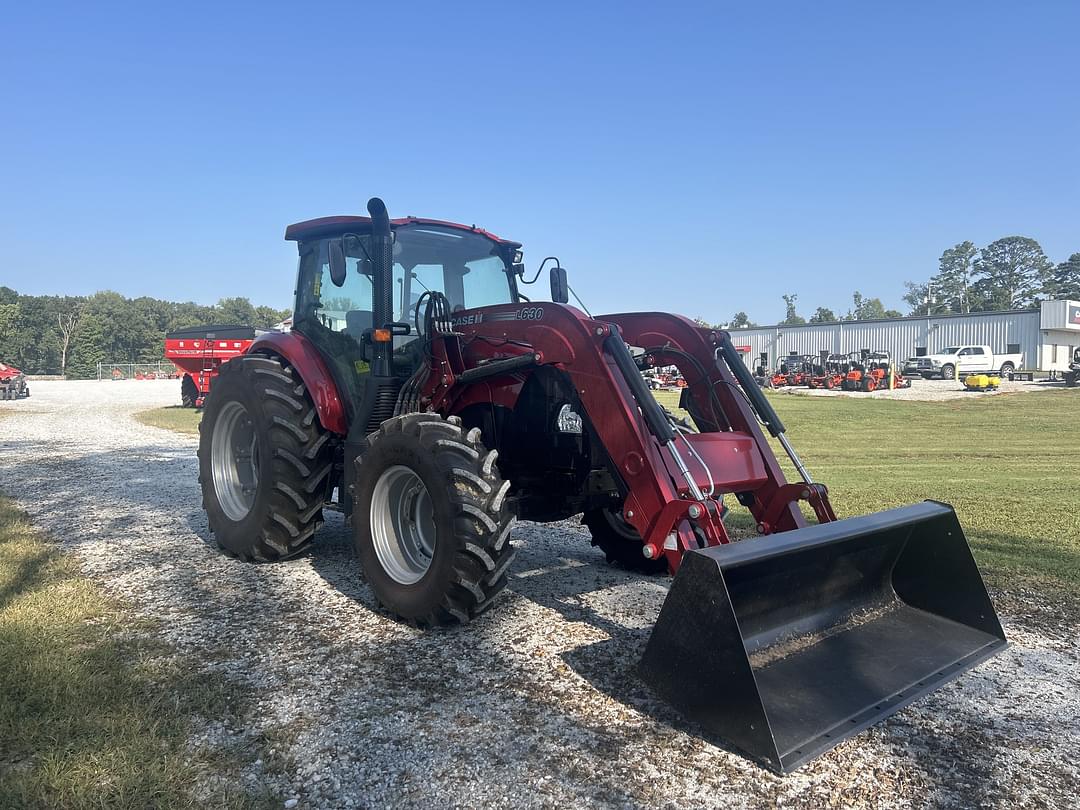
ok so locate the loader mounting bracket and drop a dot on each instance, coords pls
(817, 495)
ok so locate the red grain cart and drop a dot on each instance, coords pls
(12, 383)
(199, 352)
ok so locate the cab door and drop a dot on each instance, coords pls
(334, 318)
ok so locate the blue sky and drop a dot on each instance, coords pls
(695, 158)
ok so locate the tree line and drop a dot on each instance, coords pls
(1010, 273)
(53, 334)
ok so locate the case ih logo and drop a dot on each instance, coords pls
(1074, 315)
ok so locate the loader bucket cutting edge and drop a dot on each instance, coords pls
(786, 645)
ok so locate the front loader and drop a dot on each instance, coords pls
(423, 395)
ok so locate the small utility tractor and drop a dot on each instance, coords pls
(12, 383)
(832, 372)
(423, 395)
(1072, 376)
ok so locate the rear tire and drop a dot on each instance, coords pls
(1006, 370)
(430, 520)
(620, 542)
(265, 461)
(189, 392)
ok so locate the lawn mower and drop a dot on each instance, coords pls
(873, 371)
(801, 368)
(12, 383)
(424, 396)
(832, 372)
(856, 363)
(783, 375)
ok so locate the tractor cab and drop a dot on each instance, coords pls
(366, 326)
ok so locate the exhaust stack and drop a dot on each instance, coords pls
(382, 257)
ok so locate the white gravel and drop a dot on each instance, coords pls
(535, 704)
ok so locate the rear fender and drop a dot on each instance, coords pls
(301, 354)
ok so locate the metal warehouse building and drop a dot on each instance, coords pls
(1045, 336)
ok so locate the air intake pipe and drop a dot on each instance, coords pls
(382, 259)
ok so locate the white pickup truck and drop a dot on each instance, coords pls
(954, 361)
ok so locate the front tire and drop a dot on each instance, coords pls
(430, 520)
(948, 372)
(265, 461)
(620, 542)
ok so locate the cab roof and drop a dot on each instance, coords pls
(325, 226)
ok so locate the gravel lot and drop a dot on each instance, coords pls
(534, 704)
(934, 390)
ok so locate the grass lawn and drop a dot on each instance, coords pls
(174, 417)
(94, 712)
(1009, 464)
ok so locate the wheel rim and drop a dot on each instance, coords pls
(235, 461)
(403, 525)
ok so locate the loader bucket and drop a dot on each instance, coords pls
(787, 644)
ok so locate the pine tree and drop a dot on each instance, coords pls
(1064, 280)
(1011, 271)
(950, 289)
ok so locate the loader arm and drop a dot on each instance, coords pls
(494, 346)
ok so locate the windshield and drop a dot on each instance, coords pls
(951, 350)
(466, 267)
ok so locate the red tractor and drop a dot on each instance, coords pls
(423, 395)
(12, 383)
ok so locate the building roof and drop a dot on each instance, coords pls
(891, 320)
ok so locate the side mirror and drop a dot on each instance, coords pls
(560, 288)
(337, 262)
